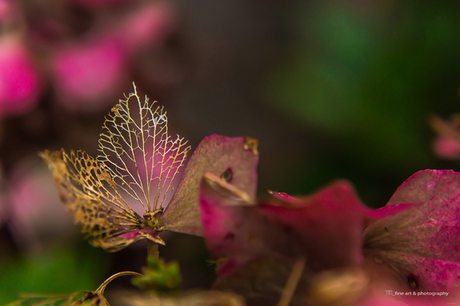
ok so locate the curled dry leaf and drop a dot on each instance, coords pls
(140, 162)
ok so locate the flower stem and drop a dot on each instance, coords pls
(152, 249)
(111, 278)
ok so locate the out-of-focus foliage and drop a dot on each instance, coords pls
(58, 270)
(158, 276)
(368, 75)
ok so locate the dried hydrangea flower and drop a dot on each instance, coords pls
(140, 162)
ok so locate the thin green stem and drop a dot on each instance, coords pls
(152, 249)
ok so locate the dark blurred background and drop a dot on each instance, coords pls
(331, 89)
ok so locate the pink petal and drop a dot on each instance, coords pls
(327, 224)
(286, 198)
(234, 231)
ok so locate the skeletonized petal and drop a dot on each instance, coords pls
(91, 197)
(139, 163)
(138, 152)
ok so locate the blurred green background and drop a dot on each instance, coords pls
(332, 89)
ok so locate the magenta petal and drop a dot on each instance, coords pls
(140, 234)
(391, 210)
(235, 231)
(328, 224)
(424, 240)
(325, 227)
(432, 274)
(286, 198)
(428, 186)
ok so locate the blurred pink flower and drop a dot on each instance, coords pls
(147, 27)
(447, 143)
(88, 75)
(86, 70)
(37, 216)
(446, 147)
(20, 82)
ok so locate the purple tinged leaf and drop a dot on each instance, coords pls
(422, 244)
(233, 159)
